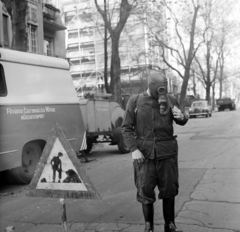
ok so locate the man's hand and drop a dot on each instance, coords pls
(137, 156)
(177, 113)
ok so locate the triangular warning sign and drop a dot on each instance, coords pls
(59, 172)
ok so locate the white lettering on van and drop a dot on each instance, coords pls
(34, 111)
(49, 109)
(28, 117)
(14, 111)
(31, 113)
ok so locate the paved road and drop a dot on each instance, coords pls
(209, 198)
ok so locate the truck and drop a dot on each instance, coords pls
(225, 103)
(102, 120)
(36, 92)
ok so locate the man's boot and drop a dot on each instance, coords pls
(148, 213)
(171, 228)
(169, 215)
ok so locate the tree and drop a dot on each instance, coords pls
(106, 52)
(124, 9)
(223, 53)
(18, 11)
(179, 49)
(218, 38)
(207, 65)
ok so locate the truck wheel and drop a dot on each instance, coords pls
(89, 146)
(122, 147)
(31, 154)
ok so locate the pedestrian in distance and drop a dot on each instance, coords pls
(57, 166)
(148, 133)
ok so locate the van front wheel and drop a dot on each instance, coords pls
(31, 154)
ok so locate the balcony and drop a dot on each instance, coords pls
(50, 12)
(51, 18)
(80, 39)
(75, 54)
(85, 67)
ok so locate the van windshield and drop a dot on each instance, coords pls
(3, 89)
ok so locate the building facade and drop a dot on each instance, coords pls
(44, 27)
(85, 47)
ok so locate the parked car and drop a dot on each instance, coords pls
(200, 108)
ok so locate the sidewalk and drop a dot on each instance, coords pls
(105, 227)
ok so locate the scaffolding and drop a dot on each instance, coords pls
(85, 48)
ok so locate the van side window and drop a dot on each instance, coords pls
(3, 88)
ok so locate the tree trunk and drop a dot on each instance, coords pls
(194, 84)
(18, 11)
(184, 88)
(221, 81)
(213, 96)
(208, 88)
(190, 57)
(208, 78)
(105, 53)
(115, 84)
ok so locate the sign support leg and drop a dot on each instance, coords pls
(64, 215)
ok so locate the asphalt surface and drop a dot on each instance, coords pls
(208, 200)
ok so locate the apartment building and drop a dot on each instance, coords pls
(45, 29)
(85, 47)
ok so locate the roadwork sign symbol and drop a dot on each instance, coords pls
(59, 173)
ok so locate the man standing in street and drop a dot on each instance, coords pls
(148, 132)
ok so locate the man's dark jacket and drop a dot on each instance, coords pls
(144, 128)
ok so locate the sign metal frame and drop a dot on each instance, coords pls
(91, 192)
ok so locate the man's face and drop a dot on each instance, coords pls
(156, 89)
(157, 84)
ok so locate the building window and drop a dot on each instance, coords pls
(5, 31)
(32, 38)
(3, 88)
(32, 14)
(48, 46)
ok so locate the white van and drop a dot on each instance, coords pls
(35, 92)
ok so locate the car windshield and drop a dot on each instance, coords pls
(198, 104)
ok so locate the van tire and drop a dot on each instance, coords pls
(122, 147)
(31, 154)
